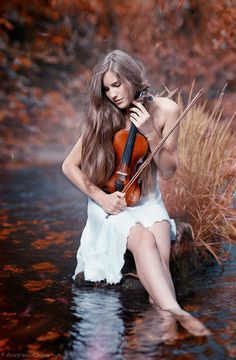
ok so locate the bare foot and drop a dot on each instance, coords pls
(167, 324)
(191, 324)
(169, 327)
(153, 328)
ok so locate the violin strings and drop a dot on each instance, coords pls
(129, 145)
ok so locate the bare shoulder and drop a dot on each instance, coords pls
(163, 111)
(165, 106)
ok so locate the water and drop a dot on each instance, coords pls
(43, 315)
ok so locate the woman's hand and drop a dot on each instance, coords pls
(141, 118)
(113, 203)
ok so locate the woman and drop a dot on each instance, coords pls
(145, 229)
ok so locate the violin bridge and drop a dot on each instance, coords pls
(121, 173)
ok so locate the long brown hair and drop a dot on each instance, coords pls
(102, 119)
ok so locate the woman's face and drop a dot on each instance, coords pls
(118, 92)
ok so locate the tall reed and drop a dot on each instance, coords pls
(201, 192)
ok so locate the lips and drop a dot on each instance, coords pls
(117, 101)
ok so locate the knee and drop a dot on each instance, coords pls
(140, 239)
(147, 240)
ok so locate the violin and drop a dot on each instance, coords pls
(119, 180)
(130, 148)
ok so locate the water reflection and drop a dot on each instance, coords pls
(111, 325)
(42, 312)
(99, 328)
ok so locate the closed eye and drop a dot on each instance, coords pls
(115, 84)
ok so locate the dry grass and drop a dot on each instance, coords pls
(202, 190)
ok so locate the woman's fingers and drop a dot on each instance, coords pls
(119, 194)
(121, 197)
(114, 203)
(134, 116)
(139, 106)
(120, 202)
(139, 116)
(137, 111)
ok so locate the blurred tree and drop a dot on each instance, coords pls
(48, 47)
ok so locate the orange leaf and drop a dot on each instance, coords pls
(6, 23)
(13, 268)
(49, 300)
(36, 285)
(45, 266)
(50, 335)
(3, 342)
(57, 40)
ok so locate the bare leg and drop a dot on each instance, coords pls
(141, 242)
(161, 232)
(152, 274)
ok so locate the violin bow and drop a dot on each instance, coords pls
(162, 142)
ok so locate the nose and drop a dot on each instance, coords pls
(113, 93)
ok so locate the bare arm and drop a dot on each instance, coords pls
(166, 159)
(71, 169)
(111, 203)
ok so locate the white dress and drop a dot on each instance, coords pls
(103, 241)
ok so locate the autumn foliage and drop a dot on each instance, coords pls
(47, 50)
